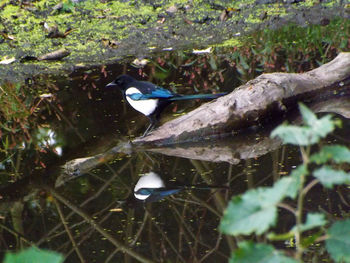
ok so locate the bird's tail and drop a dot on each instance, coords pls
(204, 187)
(197, 96)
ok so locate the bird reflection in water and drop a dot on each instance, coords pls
(151, 188)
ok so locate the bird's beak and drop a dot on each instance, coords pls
(112, 84)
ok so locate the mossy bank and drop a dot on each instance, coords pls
(100, 32)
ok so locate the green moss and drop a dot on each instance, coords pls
(330, 3)
(309, 3)
(276, 9)
(232, 42)
(9, 11)
(118, 21)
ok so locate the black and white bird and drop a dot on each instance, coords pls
(151, 188)
(150, 99)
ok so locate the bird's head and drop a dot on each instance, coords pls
(121, 81)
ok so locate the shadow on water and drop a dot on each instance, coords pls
(77, 166)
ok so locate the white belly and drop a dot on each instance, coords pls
(146, 107)
(148, 180)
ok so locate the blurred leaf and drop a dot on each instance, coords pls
(243, 62)
(277, 237)
(336, 153)
(244, 216)
(311, 133)
(329, 177)
(309, 117)
(256, 210)
(343, 43)
(294, 135)
(212, 63)
(249, 252)
(67, 6)
(310, 239)
(313, 220)
(294, 183)
(338, 243)
(33, 255)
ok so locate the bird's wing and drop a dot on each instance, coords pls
(149, 90)
(158, 93)
(161, 193)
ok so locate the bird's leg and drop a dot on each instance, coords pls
(151, 126)
(148, 129)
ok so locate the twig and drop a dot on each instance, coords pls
(213, 249)
(18, 235)
(309, 186)
(199, 203)
(287, 207)
(89, 231)
(321, 239)
(299, 213)
(166, 238)
(97, 227)
(145, 217)
(100, 191)
(69, 233)
(112, 255)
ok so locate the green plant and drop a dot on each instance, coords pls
(33, 255)
(256, 211)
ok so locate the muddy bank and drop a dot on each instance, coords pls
(99, 32)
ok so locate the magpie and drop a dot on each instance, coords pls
(150, 99)
(151, 188)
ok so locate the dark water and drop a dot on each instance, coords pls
(86, 121)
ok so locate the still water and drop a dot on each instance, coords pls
(69, 190)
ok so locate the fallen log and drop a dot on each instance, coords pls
(268, 95)
(251, 143)
(243, 146)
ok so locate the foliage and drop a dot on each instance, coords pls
(335, 153)
(291, 48)
(33, 255)
(338, 241)
(20, 127)
(255, 211)
(311, 133)
(330, 177)
(259, 253)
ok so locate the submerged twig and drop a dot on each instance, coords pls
(69, 233)
(97, 227)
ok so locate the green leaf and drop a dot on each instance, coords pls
(329, 177)
(338, 243)
(278, 237)
(292, 134)
(309, 117)
(249, 252)
(256, 210)
(313, 220)
(295, 180)
(324, 126)
(212, 63)
(336, 153)
(243, 62)
(311, 133)
(33, 255)
(309, 240)
(244, 216)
